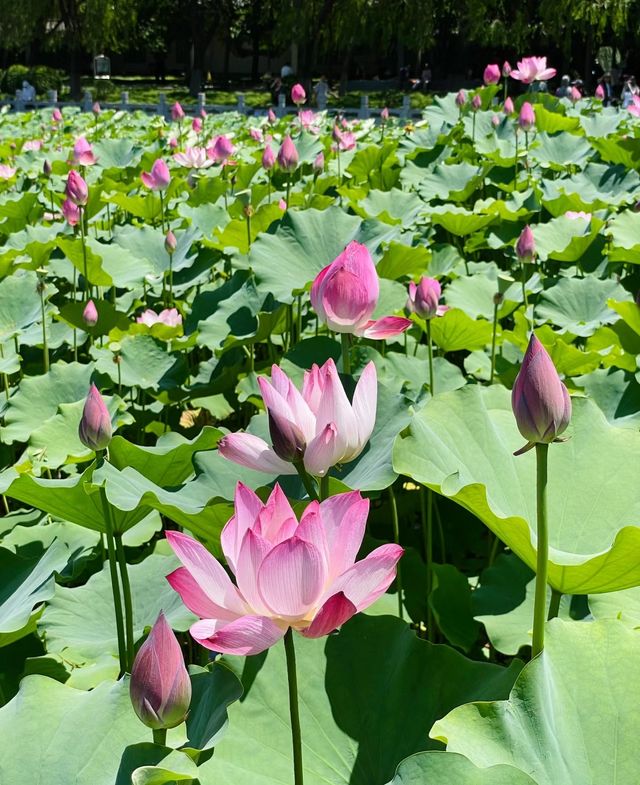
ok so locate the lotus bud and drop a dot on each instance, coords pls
(286, 437)
(492, 74)
(527, 117)
(526, 245)
(95, 426)
(271, 116)
(384, 115)
(90, 314)
(461, 99)
(495, 121)
(424, 297)
(600, 92)
(540, 401)
(196, 124)
(508, 107)
(71, 212)
(177, 112)
(575, 94)
(56, 115)
(46, 167)
(170, 243)
(288, 155)
(268, 158)
(282, 204)
(298, 94)
(476, 103)
(96, 108)
(160, 688)
(506, 69)
(318, 162)
(77, 189)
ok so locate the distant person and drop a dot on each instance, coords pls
(403, 78)
(564, 90)
(425, 77)
(28, 93)
(321, 90)
(275, 88)
(286, 71)
(629, 91)
(607, 87)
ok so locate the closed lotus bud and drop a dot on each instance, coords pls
(506, 69)
(527, 117)
(56, 115)
(508, 107)
(282, 204)
(46, 167)
(271, 116)
(526, 245)
(90, 314)
(96, 108)
(498, 298)
(476, 103)
(71, 212)
(268, 158)
(95, 426)
(170, 243)
(288, 155)
(540, 401)
(461, 99)
(492, 74)
(77, 189)
(318, 162)
(495, 121)
(600, 92)
(177, 112)
(384, 115)
(160, 688)
(196, 124)
(424, 297)
(575, 94)
(298, 94)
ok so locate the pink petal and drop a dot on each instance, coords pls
(323, 452)
(148, 180)
(334, 407)
(548, 73)
(316, 294)
(291, 578)
(370, 578)
(364, 404)
(302, 414)
(252, 553)
(254, 453)
(312, 530)
(247, 508)
(277, 520)
(335, 612)
(244, 636)
(344, 518)
(345, 300)
(194, 597)
(387, 327)
(313, 387)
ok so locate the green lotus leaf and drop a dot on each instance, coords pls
(560, 150)
(565, 239)
(579, 305)
(449, 768)
(625, 237)
(455, 330)
(622, 605)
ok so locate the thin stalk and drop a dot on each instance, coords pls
(324, 487)
(554, 605)
(396, 539)
(296, 736)
(45, 345)
(432, 381)
(540, 605)
(515, 164)
(171, 301)
(346, 353)
(248, 230)
(126, 592)
(426, 516)
(306, 480)
(493, 342)
(84, 252)
(162, 222)
(288, 188)
(160, 736)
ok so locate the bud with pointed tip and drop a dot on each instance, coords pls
(90, 314)
(158, 178)
(540, 401)
(492, 74)
(461, 99)
(71, 212)
(476, 103)
(600, 92)
(56, 115)
(94, 430)
(177, 112)
(298, 94)
(575, 94)
(268, 158)
(46, 167)
(170, 243)
(196, 124)
(506, 68)
(160, 688)
(96, 108)
(424, 298)
(318, 162)
(526, 245)
(286, 438)
(527, 117)
(508, 107)
(288, 155)
(77, 189)
(384, 115)
(271, 116)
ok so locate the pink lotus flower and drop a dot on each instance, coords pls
(282, 204)
(540, 401)
(289, 574)
(527, 117)
(506, 69)
(56, 115)
(318, 426)
(424, 298)
(83, 153)
(170, 243)
(177, 112)
(495, 121)
(256, 134)
(158, 178)
(7, 172)
(318, 162)
(193, 158)
(600, 92)
(173, 143)
(476, 103)
(170, 317)
(288, 155)
(384, 115)
(575, 94)
(271, 117)
(577, 215)
(461, 99)
(533, 69)
(308, 121)
(96, 108)
(298, 94)
(634, 106)
(508, 107)
(90, 314)
(492, 74)
(71, 212)
(32, 144)
(526, 245)
(160, 688)
(221, 149)
(268, 158)
(345, 294)
(196, 125)
(77, 189)
(94, 430)
(346, 140)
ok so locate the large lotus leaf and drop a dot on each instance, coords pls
(67, 735)
(399, 260)
(449, 768)
(117, 153)
(565, 239)
(458, 221)
(571, 716)
(455, 331)
(108, 265)
(144, 245)
(234, 235)
(152, 764)
(144, 363)
(453, 182)
(461, 445)
(617, 393)
(579, 305)
(603, 124)
(629, 311)
(619, 151)
(553, 121)
(625, 237)
(214, 689)
(391, 206)
(206, 218)
(368, 696)
(623, 605)
(559, 150)
(603, 185)
(19, 303)
(31, 247)
(82, 619)
(473, 294)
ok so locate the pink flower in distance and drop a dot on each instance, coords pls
(96, 108)
(508, 107)
(308, 121)
(345, 294)
(540, 401)
(56, 115)
(177, 112)
(346, 141)
(271, 117)
(533, 69)
(527, 117)
(193, 158)
(83, 153)
(71, 212)
(506, 69)
(282, 204)
(289, 574)
(94, 430)
(196, 125)
(77, 189)
(577, 215)
(160, 688)
(32, 144)
(600, 92)
(173, 143)
(170, 243)
(256, 134)
(384, 115)
(268, 158)
(424, 298)
(170, 316)
(90, 314)
(7, 172)
(318, 162)
(526, 245)
(476, 102)
(158, 178)
(634, 106)
(288, 155)
(492, 74)
(575, 94)
(298, 94)
(221, 149)
(317, 426)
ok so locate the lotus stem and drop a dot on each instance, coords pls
(160, 736)
(346, 353)
(396, 539)
(493, 341)
(126, 592)
(540, 606)
(324, 487)
(296, 736)
(432, 381)
(306, 480)
(426, 516)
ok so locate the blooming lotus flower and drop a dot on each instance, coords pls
(461, 99)
(345, 294)
(346, 140)
(177, 112)
(318, 426)
(90, 314)
(308, 120)
(540, 401)
(83, 153)
(71, 212)
(298, 94)
(96, 108)
(533, 69)
(492, 74)
(384, 115)
(424, 298)
(575, 94)
(526, 245)
(221, 149)
(600, 92)
(32, 144)
(508, 107)
(193, 158)
(506, 69)
(256, 134)
(289, 574)
(56, 115)
(577, 215)
(158, 178)
(170, 317)
(170, 243)
(94, 430)
(268, 158)
(7, 172)
(634, 106)
(77, 190)
(282, 204)
(527, 117)
(160, 688)
(476, 103)
(288, 155)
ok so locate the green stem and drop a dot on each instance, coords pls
(554, 605)
(426, 516)
(493, 342)
(171, 301)
(161, 210)
(126, 592)
(515, 165)
(396, 539)
(160, 736)
(296, 736)
(84, 253)
(346, 353)
(324, 487)
(540, 606)
(288, 188)
(248, 230)
(306, 480)
(432, 381)
(45, 345)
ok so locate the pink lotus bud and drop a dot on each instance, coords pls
(600, 92)
(527, 117)
(83, 153)
(506, 69)
(508, 107)
(158, 178)
(575, 94)
(425, 297)
(95, 426)
(203, 113)
(540, 401)
(173, 143)
(271, 116)
(288, 155)
(77, 189)
(384, 115)
(318, 162)
(298, 95)
(170, 243)
(90, 314)
(56, 115)
(196, 124)
(71, 212)
(336, 134)
(526, 245)
(282, 204)
(476, 103)
(96, 108)
(177, 112)
(256, 134)
(492, 74)
(268, 158)
(46, 167)
(160, 687)
(495, 121)
(461, 99)
(221, 150)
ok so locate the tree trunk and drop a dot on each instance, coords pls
(74, 74)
